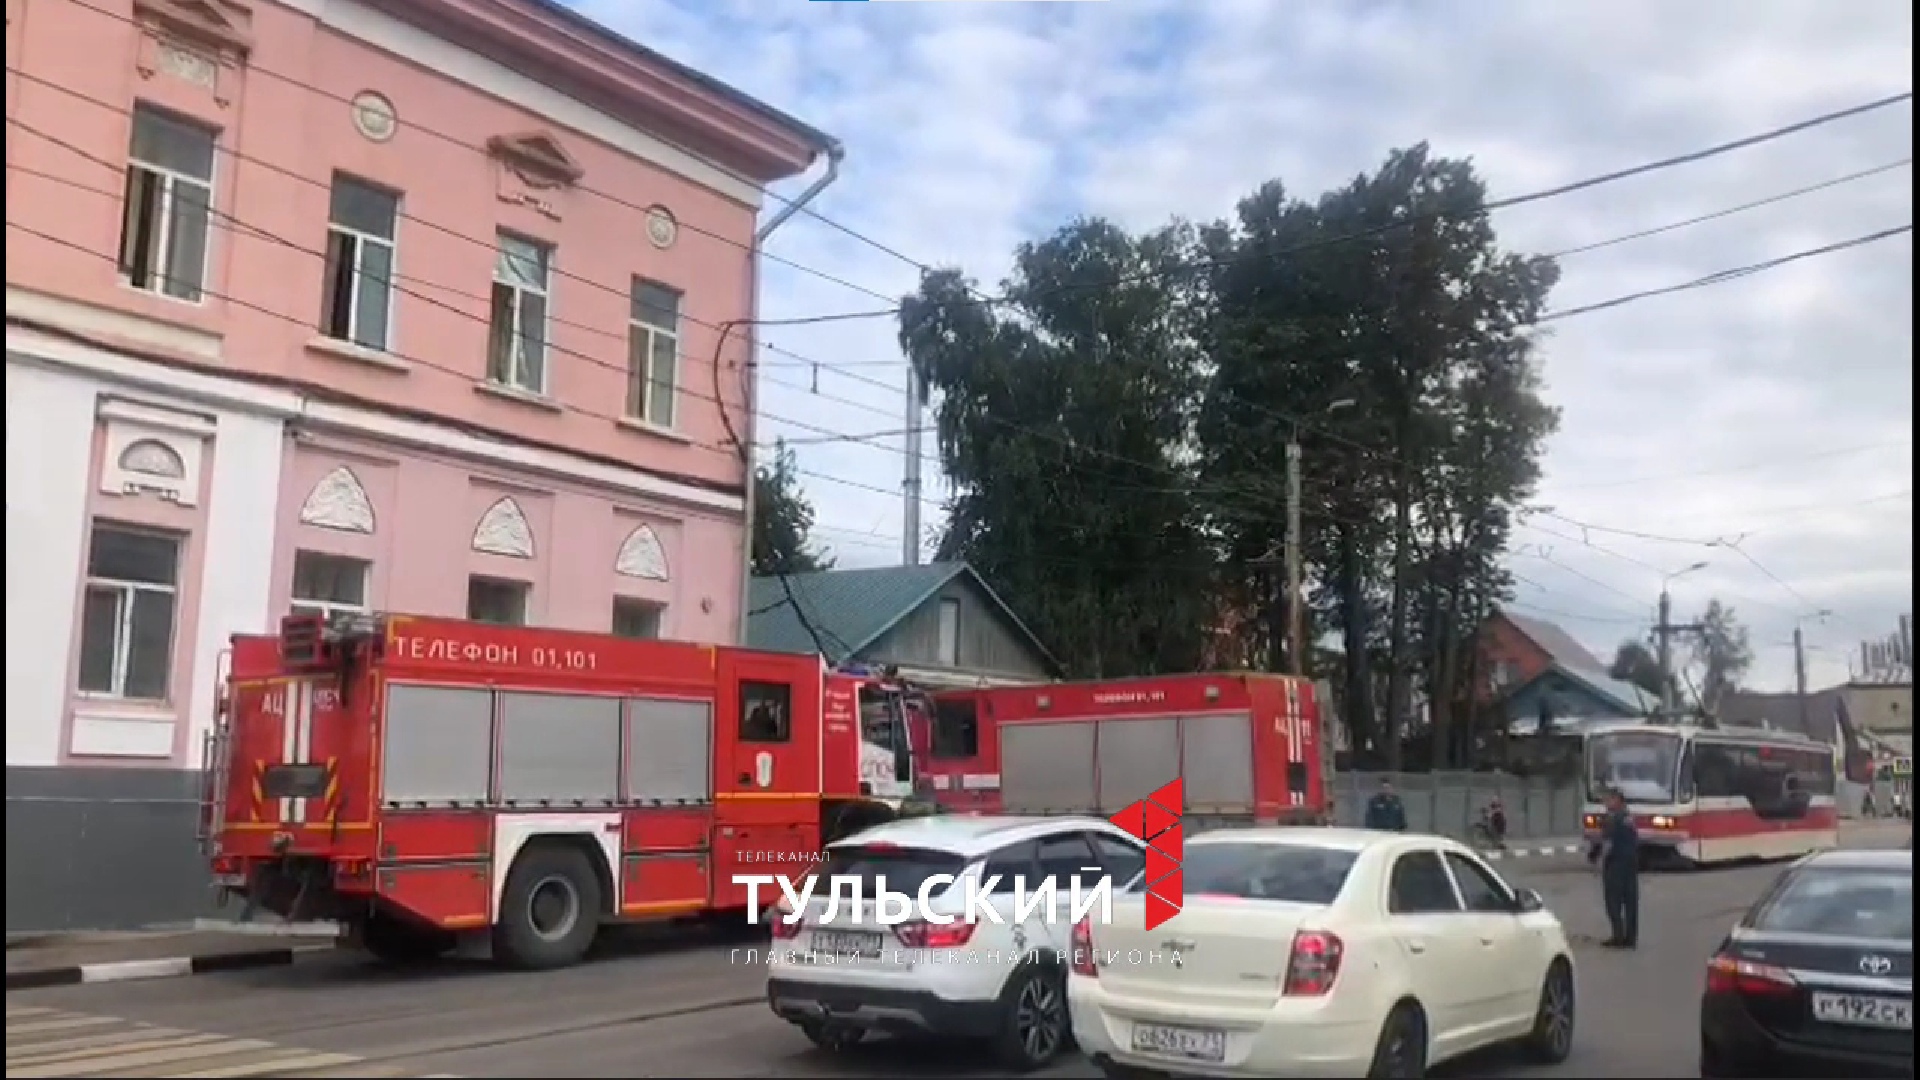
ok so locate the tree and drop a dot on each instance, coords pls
(1722, 653)
(1634, 663)
(1392, 297)
(1063, 426)
(783, 519)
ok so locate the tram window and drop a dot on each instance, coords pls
(1716, 771)
(1685, 792)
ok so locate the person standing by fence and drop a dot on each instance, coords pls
(1385, 811)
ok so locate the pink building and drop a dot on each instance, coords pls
(407, 305)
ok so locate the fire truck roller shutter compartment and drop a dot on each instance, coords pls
(439, 747)
(1216, 758)
(1134, 756)
(669, 752)
(1047, 768)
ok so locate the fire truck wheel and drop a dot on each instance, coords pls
(395, 942)
(1034, 1028)
(550, 911)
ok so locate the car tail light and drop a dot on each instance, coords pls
(1314, 965)
(926, 935)
(1732, 975)
(785, 924)
(1081, 945)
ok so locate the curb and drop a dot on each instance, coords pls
(162, 968)
(1535, 851)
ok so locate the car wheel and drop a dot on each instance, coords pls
(550, 910)
(1402, 1049)
(1034, 1026)
(832, 1037)
(1551, 1041)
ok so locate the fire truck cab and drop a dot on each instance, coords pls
(422, 779)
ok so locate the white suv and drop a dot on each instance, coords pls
(1003, 982)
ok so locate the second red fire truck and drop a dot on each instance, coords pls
(419, 779)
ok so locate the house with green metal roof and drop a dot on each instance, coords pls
(940, 624)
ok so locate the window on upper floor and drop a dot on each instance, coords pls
(169, 205)
(634, 618)
(324, 584)
(653, 353)
(356, 304)
(517, 346)
(497, 601)
(127, 615)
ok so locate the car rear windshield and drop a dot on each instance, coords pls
(1294, 873)
(1851, 902)
(899, 869)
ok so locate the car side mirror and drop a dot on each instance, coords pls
(1530, 901)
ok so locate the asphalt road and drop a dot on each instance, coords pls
(673, 1008)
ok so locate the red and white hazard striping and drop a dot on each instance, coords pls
(296, 739)
(1296, 739)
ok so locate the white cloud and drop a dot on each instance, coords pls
(1779, 407)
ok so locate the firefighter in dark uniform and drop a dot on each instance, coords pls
(1617, 851)
(1385, 811)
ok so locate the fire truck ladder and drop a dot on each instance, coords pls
(216, 759)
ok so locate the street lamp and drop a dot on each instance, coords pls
(1296, 615)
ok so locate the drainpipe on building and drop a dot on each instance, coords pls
(835, 154)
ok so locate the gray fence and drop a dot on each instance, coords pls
(1449, 803)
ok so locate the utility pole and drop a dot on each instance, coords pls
(1800, 677)
(910, 483)
(1663, 634)
(1296, 615)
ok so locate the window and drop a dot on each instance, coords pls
(653, 353)
(1290, 873)
(1419, 885)
(491, 600)
(1123, 861)
(1013, 865)
(1064, 858)
(169, 205)
(324, 584)
(126, 620)
(956, 728)
(950, 631)
(635, 618)
(1478, 887)
(899, 869)
(357, 303)
(1851, 902)
(517, 347)
(766, 712)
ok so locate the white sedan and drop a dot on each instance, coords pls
(1322, 952)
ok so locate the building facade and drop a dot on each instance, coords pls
(406, 305)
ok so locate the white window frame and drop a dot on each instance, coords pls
(123, 615)
(160, 256)
(516, 376)
(658, 611)
(949, 648)
(524, 589)
(326, 609)
(360, 241)
(644, 332)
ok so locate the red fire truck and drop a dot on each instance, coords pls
(418, 778)
(1251, 748)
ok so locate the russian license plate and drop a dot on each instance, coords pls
(1197, 1044)
(1861, 1010)
(847, 943)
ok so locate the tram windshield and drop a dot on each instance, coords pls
(1641, 765)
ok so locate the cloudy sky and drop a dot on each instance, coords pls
(1777, 409)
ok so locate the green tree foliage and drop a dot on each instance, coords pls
(1117, 434)
(1062, 422)
(783, 519)
(1721, 654)
(1634, 663)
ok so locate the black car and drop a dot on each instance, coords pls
(1817, 980)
